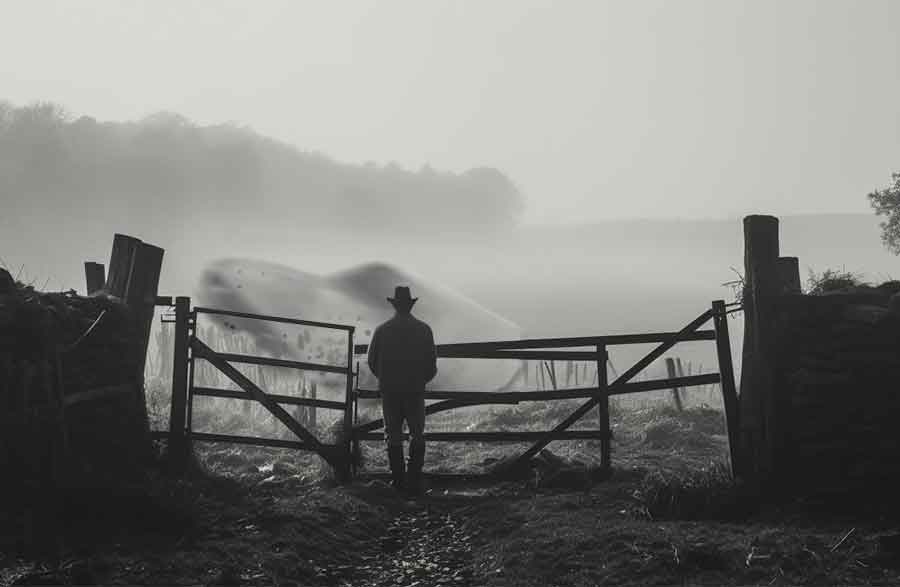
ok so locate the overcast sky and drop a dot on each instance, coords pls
(595, 109)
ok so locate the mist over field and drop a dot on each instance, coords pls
(208, 192)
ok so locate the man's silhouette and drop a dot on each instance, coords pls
(402, 356)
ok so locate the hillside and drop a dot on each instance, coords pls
(151, 175)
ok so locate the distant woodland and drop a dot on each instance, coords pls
(164, 168)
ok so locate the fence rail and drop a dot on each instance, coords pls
(278, 319)
(506, 436)
(281, 399)
(479, 350)
(513, 397)
(272, 362)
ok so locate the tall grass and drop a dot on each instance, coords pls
(701, 493)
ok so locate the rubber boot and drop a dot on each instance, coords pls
(395, 460)
(414, 482)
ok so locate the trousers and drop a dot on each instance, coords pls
(399, 407)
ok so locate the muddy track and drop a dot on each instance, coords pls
(422, 546)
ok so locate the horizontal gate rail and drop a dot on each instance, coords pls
(509, 436)
(434, 408)
(478, 349)
(270, 362)
(524, 355)
(281, 399)
(512, 397)
(238, 439)
(452, 400)
(279, 319)
(249, 440)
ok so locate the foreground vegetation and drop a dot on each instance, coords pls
(668, 514)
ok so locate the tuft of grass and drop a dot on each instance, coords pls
(664, 427)
(706, 493)
(832, 280)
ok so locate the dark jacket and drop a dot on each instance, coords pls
(402, 354)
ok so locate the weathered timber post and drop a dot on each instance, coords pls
(178, 446)
(355, 448)
(758, 413)
(94, 276)
(120, 263)
(789, 275)
(729, 393)
(347, 462)
(603, 408)
(311, 410)
(140, 296)
(676, 392)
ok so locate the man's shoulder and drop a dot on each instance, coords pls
(385, 326)
(421, 324)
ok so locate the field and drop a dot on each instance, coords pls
(667, 514)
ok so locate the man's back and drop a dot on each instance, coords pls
(402, 354)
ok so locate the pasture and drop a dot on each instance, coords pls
(666, 513)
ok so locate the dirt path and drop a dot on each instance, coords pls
(421, 547)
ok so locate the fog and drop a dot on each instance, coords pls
(205, 193)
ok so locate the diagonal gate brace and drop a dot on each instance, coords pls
(613, 387)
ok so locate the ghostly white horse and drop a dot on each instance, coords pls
(356, 296)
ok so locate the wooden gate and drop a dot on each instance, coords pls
(549, 349)
(189, 349)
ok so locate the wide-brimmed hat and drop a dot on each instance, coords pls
(402, 296)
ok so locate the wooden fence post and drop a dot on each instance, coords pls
(178, 447)
(120, 262)
(729, 393)
(603, 409)
(789, 275)
(311, 410)
(140, 296)
(676, 392)
(94, 276)
(349, 401)
(758, 414)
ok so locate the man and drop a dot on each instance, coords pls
(402, 356)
